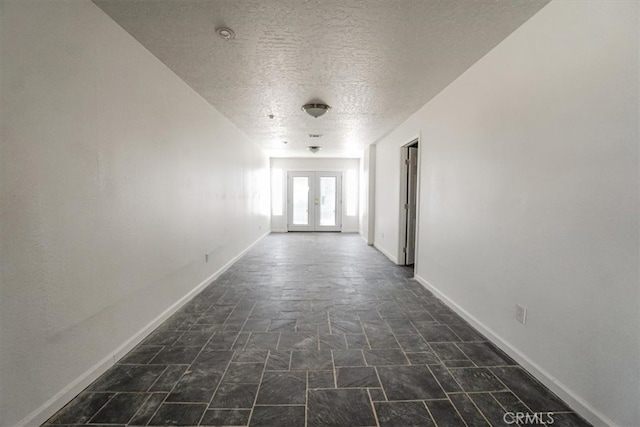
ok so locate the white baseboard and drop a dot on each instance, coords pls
(60, 399)
(138, 337)
(370, 243)
(578, 404)
(387, 254)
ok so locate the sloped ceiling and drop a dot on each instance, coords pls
(374, 62)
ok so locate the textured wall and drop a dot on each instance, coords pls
(529, 195)
(116, 179)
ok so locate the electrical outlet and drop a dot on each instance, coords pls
(521, 314)
(206, 257)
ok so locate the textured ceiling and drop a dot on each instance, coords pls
(374, 62)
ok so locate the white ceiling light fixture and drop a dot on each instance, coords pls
(314, 148)
(226, 33)
(315, 110)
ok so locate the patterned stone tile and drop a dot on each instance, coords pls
(307, 329)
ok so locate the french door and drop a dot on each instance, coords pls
(314, 201)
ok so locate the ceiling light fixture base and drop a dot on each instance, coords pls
(315, 110)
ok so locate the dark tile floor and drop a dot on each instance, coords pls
(315, 329)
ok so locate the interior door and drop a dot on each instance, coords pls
(412, 184)
(314, 201)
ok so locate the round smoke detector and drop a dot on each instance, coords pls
(226, 33)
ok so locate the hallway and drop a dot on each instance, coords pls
(311, 330)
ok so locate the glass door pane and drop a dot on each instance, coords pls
(327, 200)
(300, 200)
(314, 201)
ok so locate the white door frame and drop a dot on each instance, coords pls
(314, 202)
(403, 259)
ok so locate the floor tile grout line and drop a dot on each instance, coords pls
(306, 401)
(284, 405)
(188, 368)
(440, 399)
(478, 408)
(373, 407)
(493, 375)
(159, 376)
(220, 381)
(455, 408)
(228, 363)
(167, 396)
(520, 400)
(365, 334)
(102, 407)
(514, 395)
(140, 408)
(400, 345)
(335, 373)
(435, 377)
(384, 392)
(435, 423)
(255, 399)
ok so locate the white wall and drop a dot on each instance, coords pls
(116, 179)
(367, 193)
(530, 195)
(363, 229)
(350, 223)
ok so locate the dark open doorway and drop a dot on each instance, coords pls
(409, 203)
